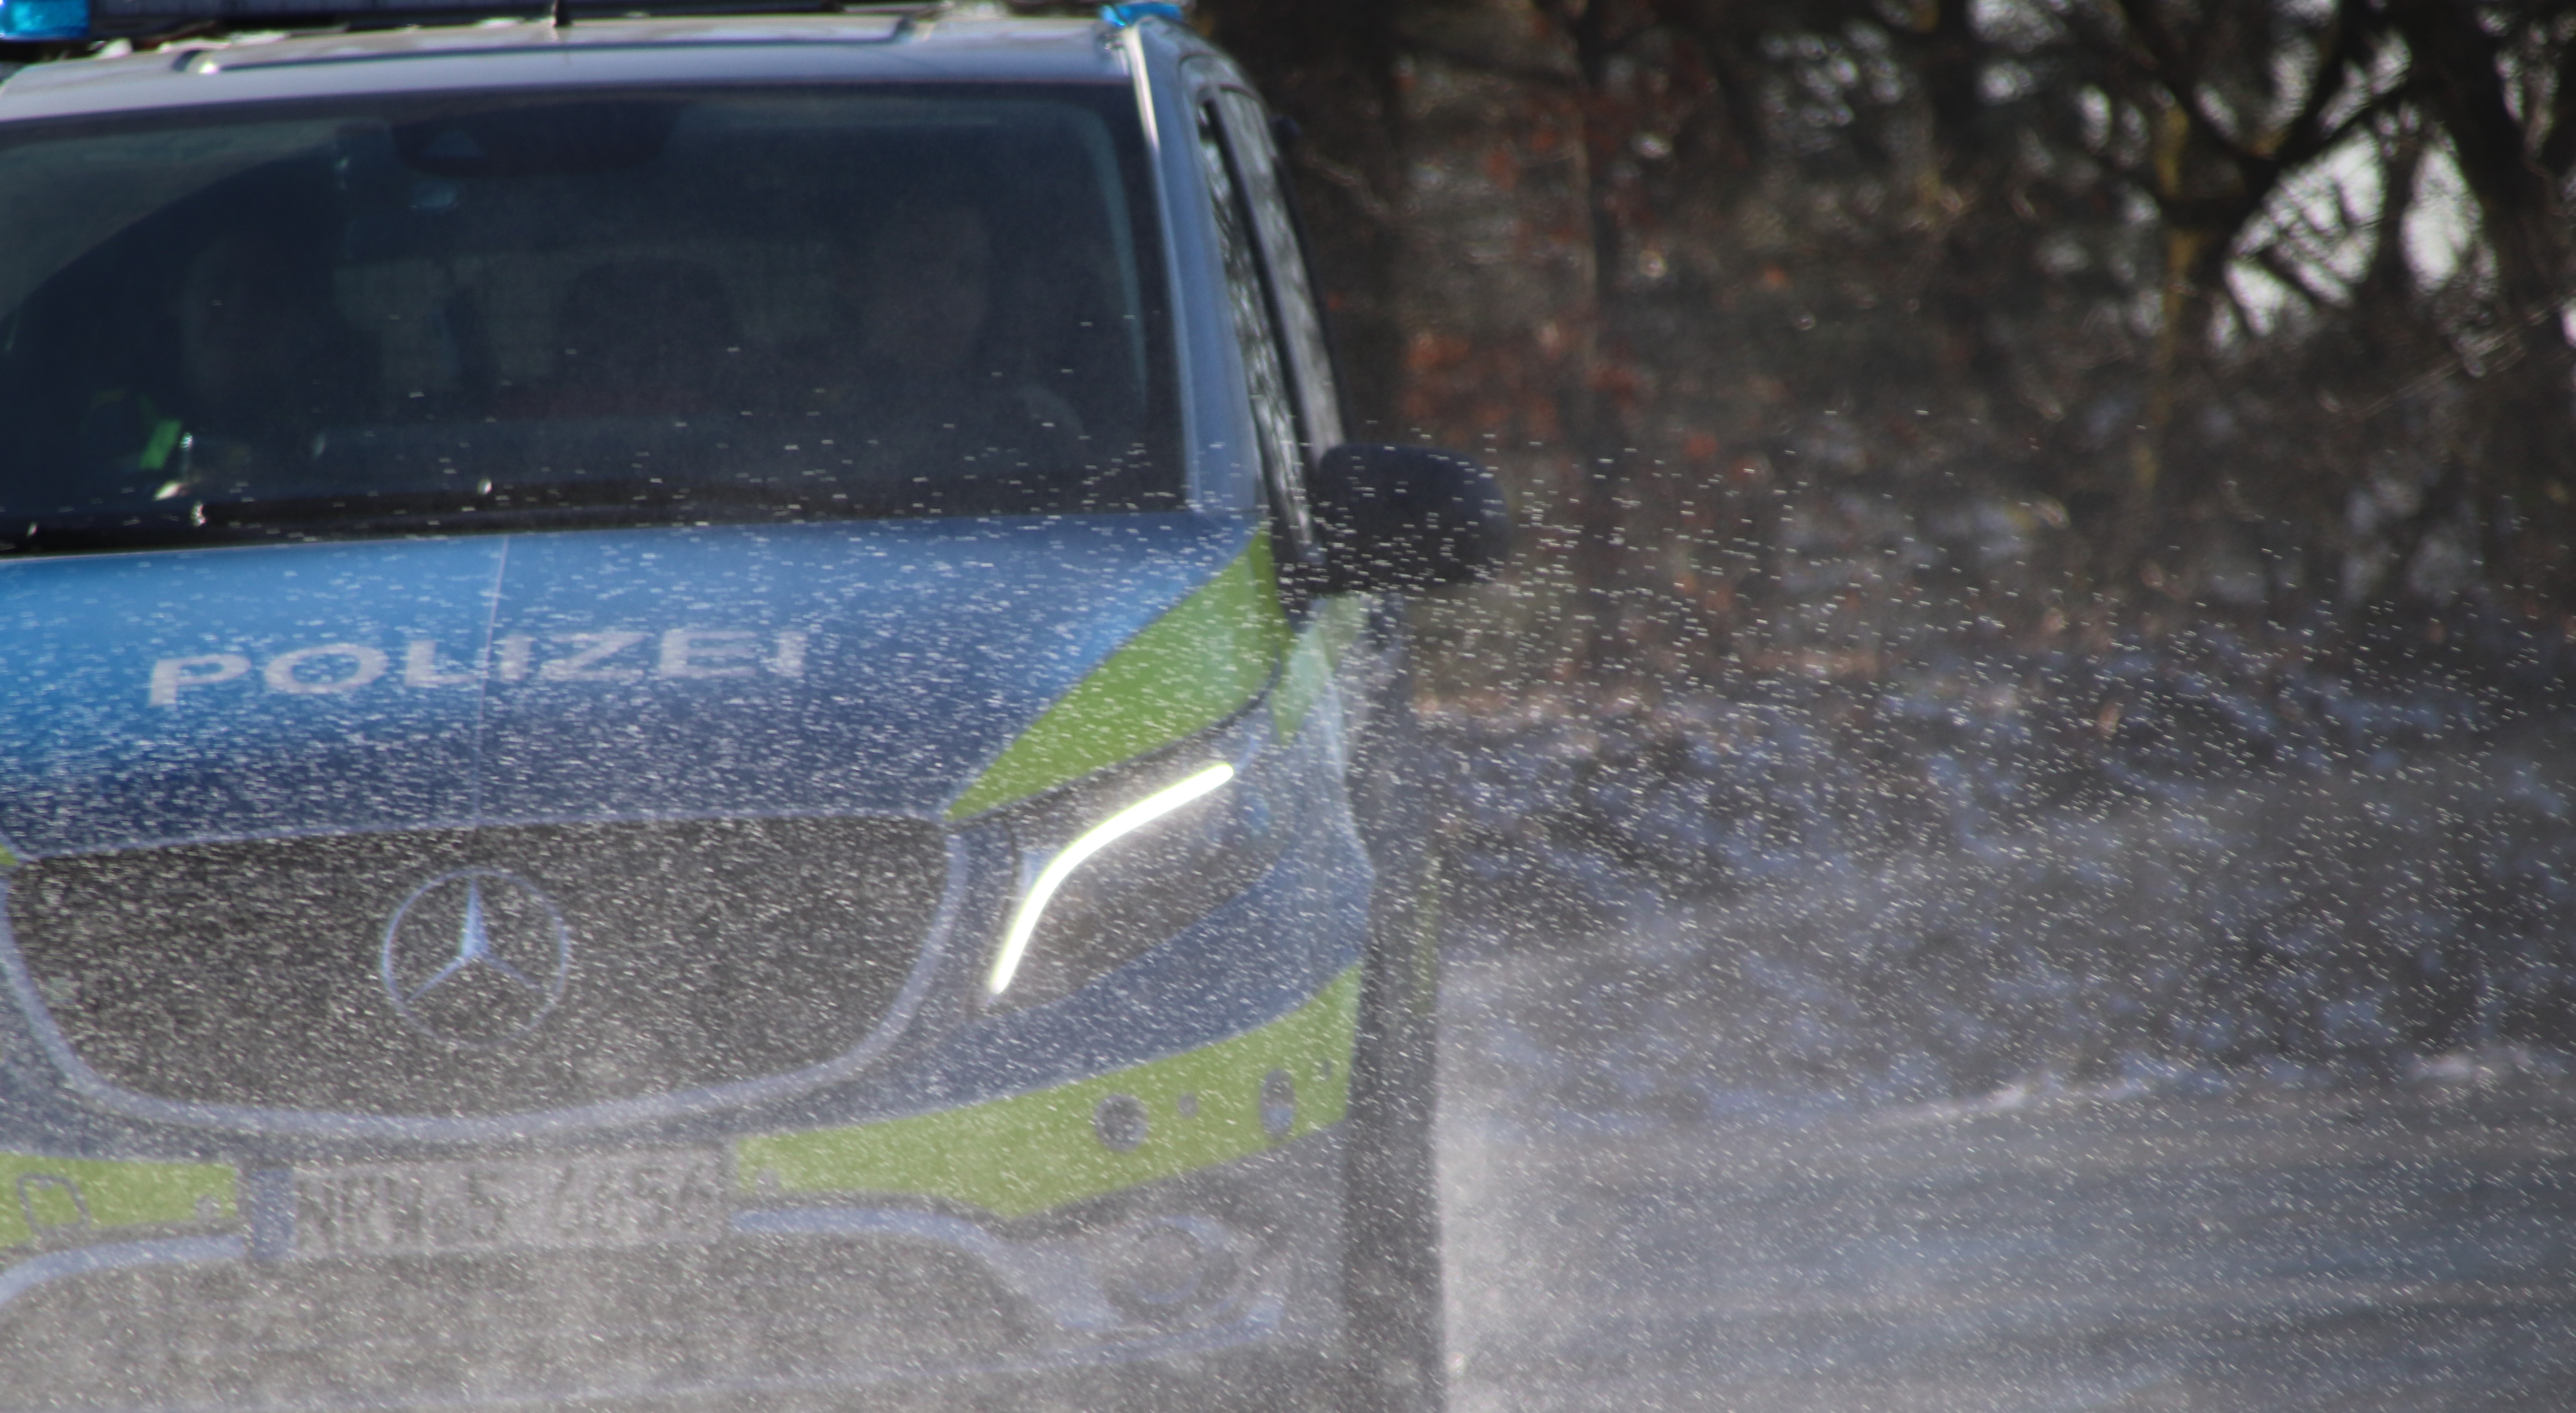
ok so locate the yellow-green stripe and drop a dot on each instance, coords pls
(1036, 1151)
(116, 1194)
(1182, 673)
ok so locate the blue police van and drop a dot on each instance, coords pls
(698, 710)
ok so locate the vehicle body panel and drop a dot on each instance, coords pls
(955, 672)
(615, 53)
(874, 666)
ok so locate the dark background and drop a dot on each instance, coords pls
(2237, 306)
(2010, 825)
(1960, 445)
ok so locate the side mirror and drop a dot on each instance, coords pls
(1406, 517)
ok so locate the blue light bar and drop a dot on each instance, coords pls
(1121, 16)
(33, 21)
(140, 16)
(54, 21)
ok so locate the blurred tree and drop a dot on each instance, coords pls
(1807, 327)
(1329, 66)
(2500, 83)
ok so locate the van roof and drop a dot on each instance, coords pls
(913, 44)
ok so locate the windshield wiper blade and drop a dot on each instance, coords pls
(579, 504)
(636, 500)
(606, 503)
(617, 500)
(65, 533)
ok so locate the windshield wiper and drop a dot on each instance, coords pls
(606, 503)
(560, 505)
(74, 532)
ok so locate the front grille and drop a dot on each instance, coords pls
(687, 955)
(741, 1316)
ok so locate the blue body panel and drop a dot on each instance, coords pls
(860, 666)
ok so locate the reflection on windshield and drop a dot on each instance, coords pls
(547, 310)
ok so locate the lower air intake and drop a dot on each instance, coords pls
(742, 1324)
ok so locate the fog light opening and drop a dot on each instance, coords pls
(1121, 1122)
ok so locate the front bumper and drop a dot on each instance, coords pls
(801, 1297)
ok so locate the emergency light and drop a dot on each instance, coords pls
(43, 21)
(76, 21)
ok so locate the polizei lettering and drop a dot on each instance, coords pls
(419, 664)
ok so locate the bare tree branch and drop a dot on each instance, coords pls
(1352, 184)
(2271, 262)
(2557, 149)
(1485, 63)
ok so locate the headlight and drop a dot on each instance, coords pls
(1121, 861)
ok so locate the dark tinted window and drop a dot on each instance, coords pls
(561, 309)
(1255, 328)
(1283, 262)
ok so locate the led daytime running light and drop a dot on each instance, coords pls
(1024, 923)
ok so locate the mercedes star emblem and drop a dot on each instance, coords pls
(475, 958)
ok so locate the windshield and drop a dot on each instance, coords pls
(500, 311)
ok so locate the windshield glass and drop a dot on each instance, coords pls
(548, 309)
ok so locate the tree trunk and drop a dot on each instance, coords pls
(2524, 453)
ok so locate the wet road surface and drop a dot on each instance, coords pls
(2408, 1248)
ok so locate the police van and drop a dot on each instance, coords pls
(697, 710)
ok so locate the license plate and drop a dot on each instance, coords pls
(586, 1200)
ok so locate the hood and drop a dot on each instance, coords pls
(873, 666)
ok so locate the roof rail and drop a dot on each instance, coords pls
(42, 29)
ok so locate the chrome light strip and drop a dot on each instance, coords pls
(1024, 922)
